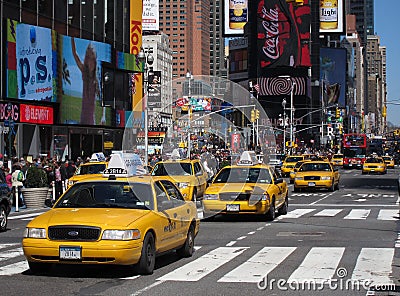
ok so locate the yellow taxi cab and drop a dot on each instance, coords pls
(316, 175)
(246, 188)
(289, 163)
(295, 169)
(120, 219)
(94, 168)
(188, 174)
(374, 165)
(389, 161)
(337, 160)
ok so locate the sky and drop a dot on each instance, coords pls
(386, 27)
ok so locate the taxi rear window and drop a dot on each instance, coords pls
(172, 169)
(306, 167)
(294, 159)
(108, 195)
(91, 169)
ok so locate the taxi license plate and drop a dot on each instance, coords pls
(232, 208)
(70, 253)
(311, 184)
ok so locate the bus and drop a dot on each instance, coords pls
(354, 150)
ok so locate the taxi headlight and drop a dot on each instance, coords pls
(210, 196)
(299, 178)
(129, 234)
(325, 178)
(183, 185)
(35, 232)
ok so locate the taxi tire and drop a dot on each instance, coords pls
(148, 258)
(271, 211)
(3, 218)
(284, 208)
(38, 267)
(332, 188)
(188, 247)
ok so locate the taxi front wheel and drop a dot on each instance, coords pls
(271, 211)
(148, 257)
(187, 249)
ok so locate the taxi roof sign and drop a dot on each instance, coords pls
(248, 158)
(124, 164)
(99, 156)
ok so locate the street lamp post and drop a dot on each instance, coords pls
(284, 126)
(189, 76)
(291, 115)
(145, 56)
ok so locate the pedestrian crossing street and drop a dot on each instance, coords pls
(252, 264)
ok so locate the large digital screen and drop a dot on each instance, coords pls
(81, 81)
(235, 17)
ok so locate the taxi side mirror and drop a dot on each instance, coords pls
(49, 202)
(278, 180)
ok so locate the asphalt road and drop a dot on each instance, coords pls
(330, 243)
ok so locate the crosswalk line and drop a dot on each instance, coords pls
(15, 268)
(4, 246)
(328, 212)
(258, 266)
(358, 214)
(375, 265)
(391, 215)
(204, 265)
(297, 213)
(318, 266)
(23, 216)
(5, 255)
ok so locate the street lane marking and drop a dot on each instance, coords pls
(297, 213)
(328, 195)
(15, 268)
(230, 244)
(258, 266)
(318, 266)
(391, 215)
(199, 268)
(23, 216)
(397, 243)
(251, 232)
(242, 237)
(328, 212)
(358, 214)
(5, 255)
(346, 205)
(374, 268)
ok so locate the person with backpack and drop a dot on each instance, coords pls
(17, 179)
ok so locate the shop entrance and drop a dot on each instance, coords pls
(85, 142)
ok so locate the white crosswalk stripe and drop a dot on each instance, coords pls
(388, 215)
(351, 214)
(31, 215)
(357, 214)
(319, 265)
(297, 213)
(328, 212)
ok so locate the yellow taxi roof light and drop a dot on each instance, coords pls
(124, 164)
(248, 158)
(99, 156)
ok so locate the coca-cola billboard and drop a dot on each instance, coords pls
(283, 34)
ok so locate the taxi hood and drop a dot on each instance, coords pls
(90, 217)
(236, 187)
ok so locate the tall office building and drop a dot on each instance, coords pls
(187, 23)
(364, 12)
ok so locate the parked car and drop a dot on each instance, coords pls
(5, 205)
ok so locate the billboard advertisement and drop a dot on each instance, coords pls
(235, 17)
(333, 75)
(283, 35)
(331, 16)
(136, 11)
(154, 90)
(81, 81)
(150, 16)
(30, 67)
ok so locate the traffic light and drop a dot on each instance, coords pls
(257, 114)
(337, 113)
(340, 129)
(253, 115)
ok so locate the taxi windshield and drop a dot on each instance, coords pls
(316, 167)
(97, 168)
(387, 158)
(338, 156)
(373, 160)
(172, 169)
(293, 159)
(241, 175)
(108, 195)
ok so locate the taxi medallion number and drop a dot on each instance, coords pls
(232, 208)
(70, 253)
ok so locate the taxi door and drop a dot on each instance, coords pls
(181, 210)
(166, 224)
(282, 188)
(201, 177)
